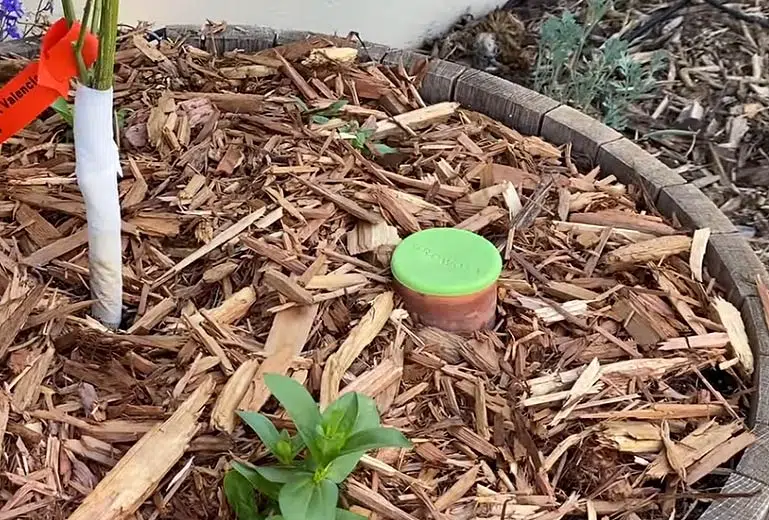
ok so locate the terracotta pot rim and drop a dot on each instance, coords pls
(398, 283)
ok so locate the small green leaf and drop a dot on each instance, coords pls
(263, 427)
(279, 474)
(334, 108)
(122, 115)
(319, 119)
(65, 110)
(374, 438)
(301, 104)
(343, 514)
(383, 149)
(341, 415)
(341, 467)
(297, 445)
(261, 484)
(368, 415)
(300, 406)
(240, 496)
(338, 423)
(284, 451)
(304, 499)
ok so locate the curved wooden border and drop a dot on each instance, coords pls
(729, 258)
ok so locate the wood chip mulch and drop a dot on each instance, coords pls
(708, 119)
(259, 216)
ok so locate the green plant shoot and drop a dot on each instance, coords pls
(360, 138)
(304, 484)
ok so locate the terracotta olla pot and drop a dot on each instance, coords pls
(447, 278)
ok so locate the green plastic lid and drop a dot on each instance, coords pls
(446, 262)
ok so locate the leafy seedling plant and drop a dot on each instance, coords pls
(359, 137)
(304, 484)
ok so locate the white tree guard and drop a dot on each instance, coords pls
(97, 166)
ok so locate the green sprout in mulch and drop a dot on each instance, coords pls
(304, 484)
(359, 137)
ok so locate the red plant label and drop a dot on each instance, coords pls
(42, 82)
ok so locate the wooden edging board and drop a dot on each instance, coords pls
(729, 258)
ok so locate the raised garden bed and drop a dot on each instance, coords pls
(289, 250)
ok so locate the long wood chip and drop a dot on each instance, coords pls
(27, 389)
(697, 253)
(462, 485)
(5, 409)
(13, 321)
(587, 379)
(359, 338)
(223, 415)
(288, 336)
(648, 250)
(731, 319)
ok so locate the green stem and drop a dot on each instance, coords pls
(105, 65)
(81, 68)
(96, 22)
(69, 10)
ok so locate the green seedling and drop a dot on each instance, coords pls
(361, 140)
(320, 115)
(304, 484)
(323, 115)
(361, 137)
(122, 115)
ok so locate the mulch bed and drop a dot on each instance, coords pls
(259, 217)
(717, 72)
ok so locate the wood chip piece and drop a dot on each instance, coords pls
(718, 456)
(458, 490)
(287, 287)
(359, 338)
(153, 317)
(288, 336)
(223, 416)
(5, 409)
(12, 318)
(697, 253)
(367, 237)
(692, 448)
(27, 389)
(735, 328)
(374, 501)
(415, 120)
(56, 249)
(648, 251)
(219, 240)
